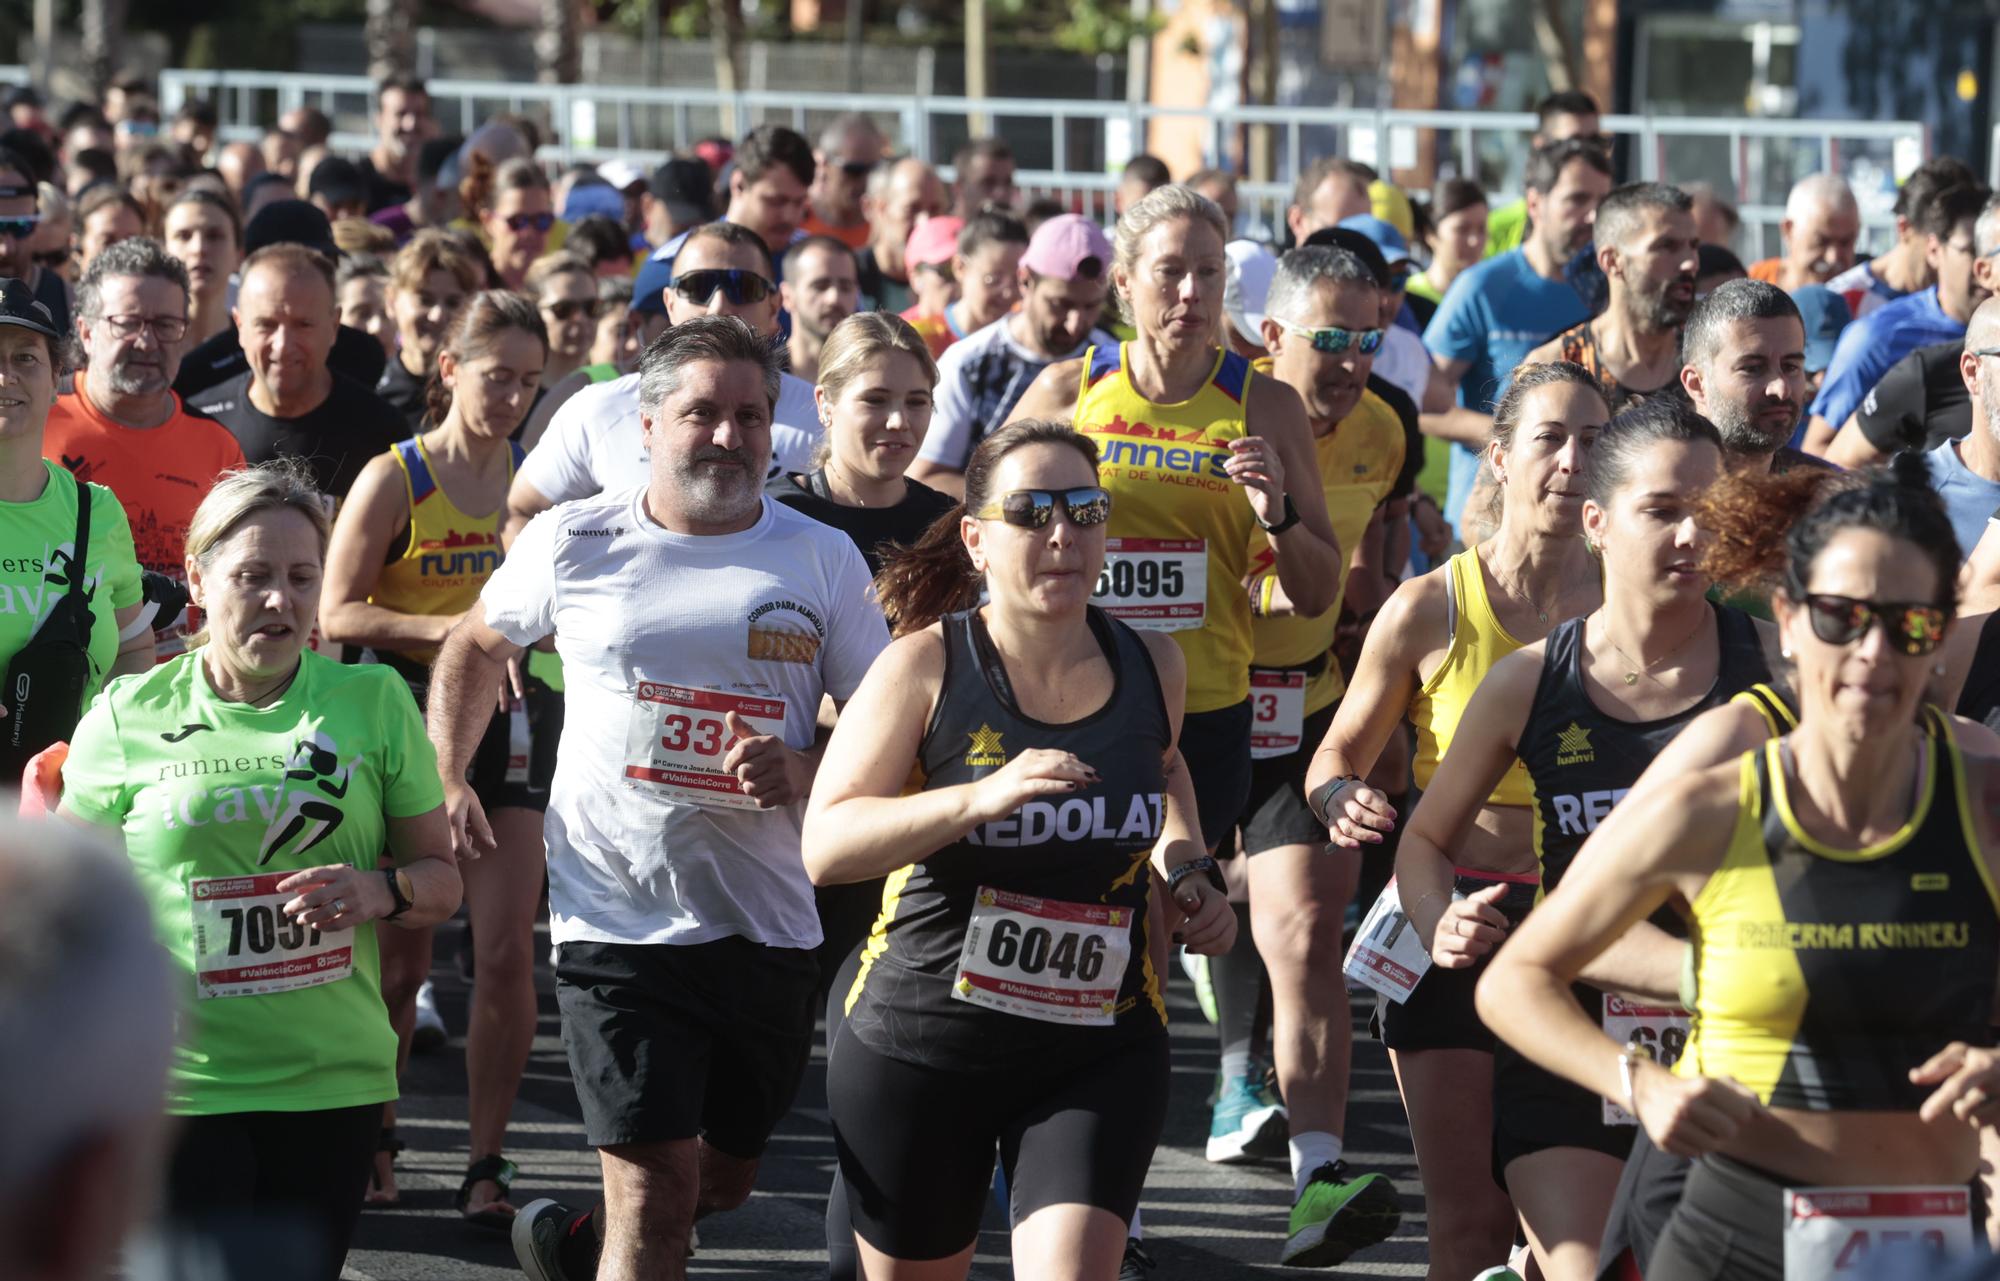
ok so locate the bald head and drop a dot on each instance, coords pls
(1821, 227)
(1983, 330)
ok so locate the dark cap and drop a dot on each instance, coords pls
(293, 222)
(338, 180)
(433, 155)
(1357, 244)
(686, 188)
(19, 307)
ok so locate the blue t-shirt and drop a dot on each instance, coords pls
(1494, 314)
(1969, 499)
(1873, 343)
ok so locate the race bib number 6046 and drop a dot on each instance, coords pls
(677, 738)
(1043, 959)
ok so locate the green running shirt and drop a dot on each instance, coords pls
(35, 541)
(202, 788)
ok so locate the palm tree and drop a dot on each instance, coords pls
(390, 38)
(556, 57)
(103, 24)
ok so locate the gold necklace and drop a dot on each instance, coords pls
(1636, 670)
(1516, 591)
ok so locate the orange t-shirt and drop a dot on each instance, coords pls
(1768, 270)
(160, 474)
(854, 237)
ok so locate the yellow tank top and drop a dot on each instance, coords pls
(1358, 464)
(1477, 642)
(448, 555)
(1178, 543)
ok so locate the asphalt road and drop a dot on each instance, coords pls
(1201, 1220)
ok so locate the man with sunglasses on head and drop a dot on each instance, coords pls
(1065, 276)
(700, 626)
(1568, 114)
(594, 442)
(1646, 245)
(850, 150)
(17, 216)
(122, 426)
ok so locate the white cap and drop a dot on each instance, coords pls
(620, 173)
(1251, 267)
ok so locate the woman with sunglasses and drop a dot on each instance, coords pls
(416, 539)
(1012, 962)
(1584, 711)
(1170, 413)
(1426, 653)
(1847, 929)
(515, 220)
(565, 288)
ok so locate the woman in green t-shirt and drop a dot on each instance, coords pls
(38, 529)
(255, 784)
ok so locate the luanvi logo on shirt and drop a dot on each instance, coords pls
(986, 748)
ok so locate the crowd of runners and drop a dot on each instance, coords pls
(912, 618)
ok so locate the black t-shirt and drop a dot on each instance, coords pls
(871, 528)
(336, 440)
(1919, 404)
(221, 358)
(383, 191)
(405, 391)
(1413, 435)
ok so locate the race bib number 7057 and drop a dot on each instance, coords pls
(245, 945)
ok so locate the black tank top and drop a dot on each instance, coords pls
(1056, 860)
(1980, 699)
(1583, 761)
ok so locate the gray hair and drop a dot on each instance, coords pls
(1986, 231)
(1621, 215)
(1160, 205)
(1303, 270)
(1730, 302)
(139, 256)
(719, 338)
(87, 1002)
(1817, 190)
(844, 125)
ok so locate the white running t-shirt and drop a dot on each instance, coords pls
(781, 610)
(593, 444)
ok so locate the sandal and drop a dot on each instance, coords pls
(499, 1171)
(385, 1144)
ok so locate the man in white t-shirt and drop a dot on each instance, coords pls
(699, 626)
(1064, 275)
(594, 445)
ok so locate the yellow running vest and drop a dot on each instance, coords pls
(1359, 461)
(1477, 642)
(1177, 520)
(448, 555)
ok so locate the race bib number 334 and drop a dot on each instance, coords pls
(245, 945)
(677, 739)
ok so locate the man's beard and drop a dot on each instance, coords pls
(715, 495)
(1743, 433)
(128, 379)
(1653, 310)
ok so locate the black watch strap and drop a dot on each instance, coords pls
(402, 901)
(1322, 796)
(1286, 521)
(1203, 866)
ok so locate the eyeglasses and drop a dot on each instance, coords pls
(1333, 340)
(19, 227)
(859, 168)
(742, 287)
(1032, 508)
(525, 221)
(571, 308)
(53, 258)
(165, 328)
(1911, 629)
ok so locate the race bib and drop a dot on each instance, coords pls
(1386, 955)
(1839, 1232)
(1043, 959)
(677, 738)
(519, 744)
(245, 945)
(1658, 1029)
(1154, 584)
(1277, 712)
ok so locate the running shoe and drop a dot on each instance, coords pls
(430, 1031)
(1137, 1262)
(1501, 1273)
(538, 1235)
(1338, 1213)
(1246, 1124)
(1195, 966)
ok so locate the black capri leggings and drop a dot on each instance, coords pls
(284, 1187)
(916, 1144)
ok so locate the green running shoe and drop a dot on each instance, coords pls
(1338, 1213)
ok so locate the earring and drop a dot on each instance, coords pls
(1937, 669)
(1785, 652)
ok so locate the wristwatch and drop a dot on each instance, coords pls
(403, 898)
(1205, 866)
(1285, 522)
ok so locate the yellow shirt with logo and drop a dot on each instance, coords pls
(1163, 466)
(1359, 461)
(448, 555)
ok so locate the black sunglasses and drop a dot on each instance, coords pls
(858, 168)
(570, 308)
(742, 287)
(1032, 508)
(1912, 629)
(523, 221)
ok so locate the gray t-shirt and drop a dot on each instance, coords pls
(981, 377)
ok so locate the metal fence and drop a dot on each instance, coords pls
(1083, 142)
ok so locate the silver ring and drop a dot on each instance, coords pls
(339, 906)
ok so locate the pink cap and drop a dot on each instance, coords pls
(933, 242)
(1067, 247)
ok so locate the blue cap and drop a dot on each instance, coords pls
(649, 287)
(1825, 314)
(599, 197)
(1394, 248)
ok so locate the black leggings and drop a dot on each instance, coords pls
(916, 1144)
(290, 1181)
